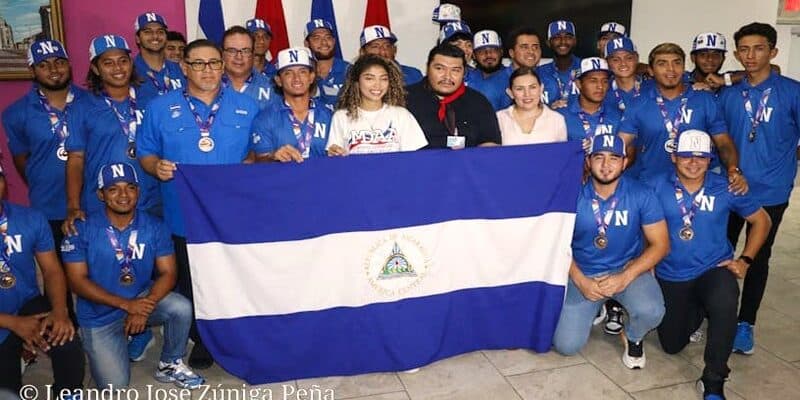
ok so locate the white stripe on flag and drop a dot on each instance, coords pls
(342, 269)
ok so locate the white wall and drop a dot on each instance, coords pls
(678, 21)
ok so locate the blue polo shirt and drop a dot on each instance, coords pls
(770, 161)
(603, 122)
(272, 129)
(270, 70)
(93, 246)
(411, 75)
(28, 233)
(259, 89)
(170, 77)
(169, 131)
(621, 100)
(493, 86)
(688, 259)
(29, 131)
(98, 134)
(637, 206)
(643, 119)
(561, 78)
(330, 86)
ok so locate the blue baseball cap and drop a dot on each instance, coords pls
(104, 43)
(375, 32)
(446, 12)
(694, 143)
(486, 38)
(619, 44)
(560, 26)
(118, 172)
(315, 24)
(149, 17)
(256, 24)
(451, 29)
(41, 50)
(592, 64)
(610, 143)
(611, 27)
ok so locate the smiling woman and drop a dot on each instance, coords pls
(23, 22)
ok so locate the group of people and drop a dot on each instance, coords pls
(676, 163)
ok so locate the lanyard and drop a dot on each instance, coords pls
(58, 125)
(5, 251)
(302, 131)
(755, 121)
(226, 82)
(603, 218)
(587, 126)
(128, 124)
(124, 256)
(152, 75)
(205, 126)
(674, 124)
(637, 85)
(687, 214)
(565, 89)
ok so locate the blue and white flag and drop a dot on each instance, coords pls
(344, 266)
(323, 9)
(211, 20)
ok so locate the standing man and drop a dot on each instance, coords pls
(451, 114)
(489, 77)
(237, 52)
(331, 71)
(566, 65)
(202, 124)
(651, 125)
(698, 276)
(28, 319)
(458, 34)
(620, 235)
(626, 84)
(708, 55)
(262, 38)
(174, 48)
(763, 113)
(525, 50)
(378, 39)
(157, 74)
(110, 264)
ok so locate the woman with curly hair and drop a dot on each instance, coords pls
(371, 116)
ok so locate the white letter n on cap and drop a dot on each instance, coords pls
(151, 17)
(117, 170)
(562, 25)
(379, 33)
(294, 56)
(47, 47)
(608, 141)
(110, 41)
(618, 43)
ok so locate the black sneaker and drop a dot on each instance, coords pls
(614, 324)
(634, 357)
(200, 357)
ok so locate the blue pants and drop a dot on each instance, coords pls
(642, 300)
(107, 346)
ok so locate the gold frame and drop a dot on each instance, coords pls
(56, 32)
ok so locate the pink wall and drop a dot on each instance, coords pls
(82, 21)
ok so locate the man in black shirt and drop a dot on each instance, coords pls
(451, 114)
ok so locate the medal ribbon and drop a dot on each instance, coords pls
(565, 90)
(205, 126)
(762, 106)
(124, 256)
(687, 214)
(603, 218)
(674, 124)
(226, 82)
(587, 125)
(152, 75)
(302, 131)
(128, 124)
(637, 86)
(5, 256)
(58, 125)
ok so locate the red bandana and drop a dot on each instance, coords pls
(449, 99)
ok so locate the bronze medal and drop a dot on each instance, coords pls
(126, 279)
(601, 242)
(7, 280)
(686, 233)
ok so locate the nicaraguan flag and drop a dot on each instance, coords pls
(211, 20)
(323, 9)
(344, 266)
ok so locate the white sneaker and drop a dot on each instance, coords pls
(178, 373)
(634, 357)
(697, 336)
(411, 371)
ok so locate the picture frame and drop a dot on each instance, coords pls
(21, 23)
(788, 14)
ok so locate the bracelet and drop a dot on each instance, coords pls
(727, 77)
(746, 259)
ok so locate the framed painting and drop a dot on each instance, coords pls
(23, 22)
(789, 12)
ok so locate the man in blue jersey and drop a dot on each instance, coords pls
(489, 77)
(609, 31)
(262, 38)
(237, 52)
(157, 74)
(298, 127)
(459, 34)
(525, 50)
(626, 84)
(620, 235)
(652, 123)
(27, 318)
(587, 116)
(763, 113)
(708, 55)
(698, 276)
(174, 48)
(378, 39)
(566, 65)
(331, 71)
(202, 124)
(110, 264)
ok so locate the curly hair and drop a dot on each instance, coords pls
(350, 97)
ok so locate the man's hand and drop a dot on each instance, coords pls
(29, 329)
(737, 184)
(68, 227)
(558, 104)
(165, 169)
(135, 324)
(715, 81)
(612, 284)
(141, 306)
(589, 288)
(737, 267)
(59, 326)
(288, 153)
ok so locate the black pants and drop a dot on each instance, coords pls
(68, 360)
(715, 295)
(58, 237)
(756, 279)
(184, 284)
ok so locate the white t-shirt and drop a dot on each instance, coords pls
(387, 130)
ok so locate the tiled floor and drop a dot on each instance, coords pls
(773, 372)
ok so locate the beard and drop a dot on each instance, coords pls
(57, 86)
(323, 56)
(606, 181)
(489, 70)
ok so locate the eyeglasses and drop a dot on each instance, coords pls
(233, 52)
(215, 64)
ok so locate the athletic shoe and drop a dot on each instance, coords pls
(139, 344)
(697, 336)
(701, 388)
(200, 358)
(411, 371)
(634, 357)
(178, 373)
(601, 315)
(614, 325)
(743, 342)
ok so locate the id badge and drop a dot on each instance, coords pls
(456, 142)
